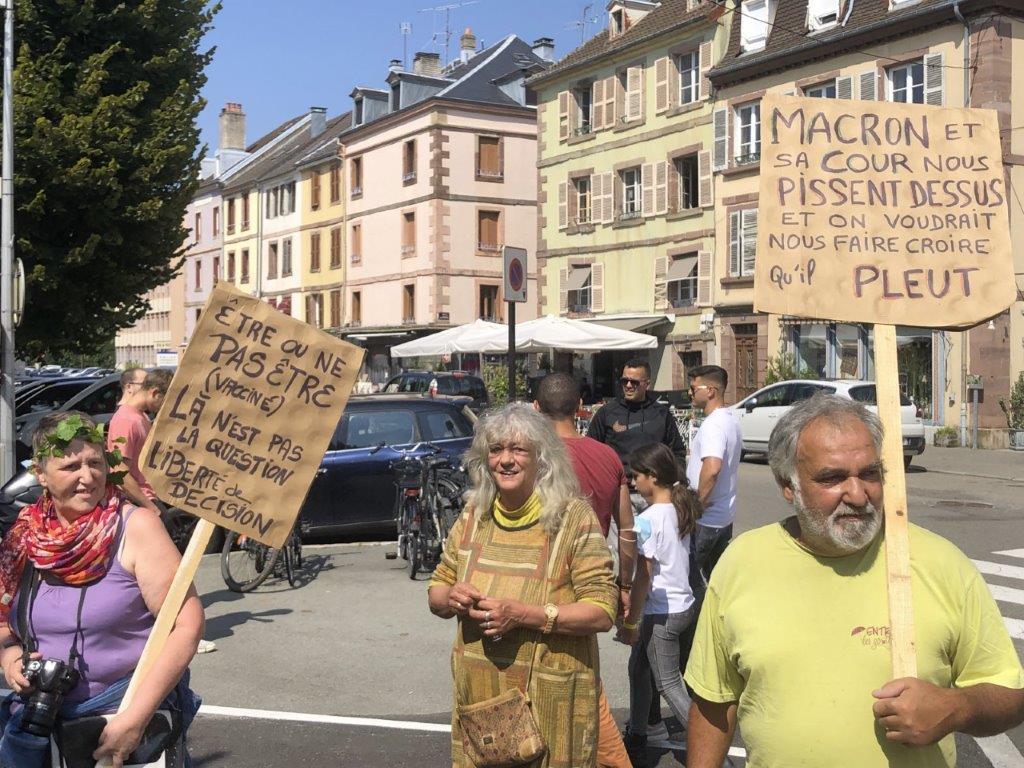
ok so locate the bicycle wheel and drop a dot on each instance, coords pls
(292, 558)
(296, 542)
(414, 547)
(449, 489)
(244, 566)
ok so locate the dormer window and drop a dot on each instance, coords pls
(617, 22)
(822, 14)
(396, 96)
(358, 111)
(754, 25)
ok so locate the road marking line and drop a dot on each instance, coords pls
(998, 569)
(680, 746)
(1000, 751)
(1011, 553)
(299, 717)
(1006, 594)
(1015, 627)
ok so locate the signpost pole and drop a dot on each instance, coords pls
(897, 541)
(511, 351)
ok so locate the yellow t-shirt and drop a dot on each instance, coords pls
(801, 641)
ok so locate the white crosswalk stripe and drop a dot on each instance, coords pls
(1011, 553)
(999, 569)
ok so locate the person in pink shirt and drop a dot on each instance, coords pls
(128, 429)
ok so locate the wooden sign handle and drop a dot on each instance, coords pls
(164, 623)
(897, 539)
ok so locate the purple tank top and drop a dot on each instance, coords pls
(115, 621)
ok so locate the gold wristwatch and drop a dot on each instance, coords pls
(551, 611)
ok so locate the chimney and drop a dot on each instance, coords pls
(544, 47)
(468, 45)
(395, 65)
(232, 127)
(429, 64)
(317, 121)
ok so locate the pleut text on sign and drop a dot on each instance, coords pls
(248, 416)
(882, 213)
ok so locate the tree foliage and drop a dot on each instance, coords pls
(785, 367)
(106, 101)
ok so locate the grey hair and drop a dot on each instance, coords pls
(834, 409)
(556, 480)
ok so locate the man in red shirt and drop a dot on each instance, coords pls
(603, 482)
(131, 425)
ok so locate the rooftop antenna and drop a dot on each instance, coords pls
(583, 22)
(447, 11)
(406, 29)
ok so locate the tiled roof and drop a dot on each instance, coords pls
(266, 138)
(474, 81)
(325, 145)
(788, 34)
(667, 16)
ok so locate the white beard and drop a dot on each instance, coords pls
(845, 531)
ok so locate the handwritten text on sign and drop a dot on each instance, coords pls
(248, 416)
(882, 213)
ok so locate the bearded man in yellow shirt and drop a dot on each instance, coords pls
(793, 638)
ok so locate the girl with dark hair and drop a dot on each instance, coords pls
(663, 611)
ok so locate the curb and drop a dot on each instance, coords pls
(973, 474)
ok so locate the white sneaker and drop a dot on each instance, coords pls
(208, 646)
(657, 732)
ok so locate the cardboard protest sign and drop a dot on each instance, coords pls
(248, 416)
(882, 213)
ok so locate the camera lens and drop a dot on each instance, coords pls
(40, 714)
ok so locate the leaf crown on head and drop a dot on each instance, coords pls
(55, 443)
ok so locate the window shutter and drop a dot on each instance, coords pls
(596, 105)
(706, 198)
(610, 98)
(749, 239)
(704, 276)
(660, 286)
(734, 243)
(868, 81)
(661, 188)
(608, 197)
(721, 123)
(673, 82)
(597, 288)
(563, 294)
(563, 116)
(844, 87)
(596, 201)
(563, 205)
(647, 189)
(933, 77)
(661, 67)
(705, 65)
(635, 76)
(673, 186)
(500, 149)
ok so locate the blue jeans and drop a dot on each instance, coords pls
(663, 648)
(706, 546)
(19, 749)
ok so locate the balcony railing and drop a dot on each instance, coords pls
(245, 224)
(748, 158)
(411, 176)
(579, 307)
(356, 258)
(409, 320)
(488, 247)
(488, 173)
(685, 301)
(583, 217)
(357, 191)
(583, 129)
(630, 215)
(407, 249)
(231, 229)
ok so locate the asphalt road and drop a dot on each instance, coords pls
(301, 676)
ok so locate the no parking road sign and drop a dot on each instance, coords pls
(515, 274)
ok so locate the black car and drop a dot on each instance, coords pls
(98, 400)
(48, 395)
(447, 383)
(354, 489)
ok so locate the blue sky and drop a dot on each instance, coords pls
(280, 58)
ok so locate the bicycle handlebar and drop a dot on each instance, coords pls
(404, 453)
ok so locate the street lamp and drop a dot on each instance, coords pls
(7, 254)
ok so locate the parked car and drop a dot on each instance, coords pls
(760, 412)
(448, 383)
(98, 400)
(49, 395)
(353, 491)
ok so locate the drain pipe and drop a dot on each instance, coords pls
(964, 335)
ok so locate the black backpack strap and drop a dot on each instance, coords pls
(24, 599)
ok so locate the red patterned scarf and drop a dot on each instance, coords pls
(77, 554)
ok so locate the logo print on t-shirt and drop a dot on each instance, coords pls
(872, 637)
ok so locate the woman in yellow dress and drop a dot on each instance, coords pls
(524, 520)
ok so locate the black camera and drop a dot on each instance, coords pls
(50, 679)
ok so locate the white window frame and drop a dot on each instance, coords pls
(747, 118)
(688, 65)
(824, 17)
(584, 119)
(684, 197)
(584, 213)
(632, 207)
(911, 83)
(685, 291)
(754, 24)
(819, 90)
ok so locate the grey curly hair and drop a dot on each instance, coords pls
(556, 481)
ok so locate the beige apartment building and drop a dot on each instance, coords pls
(440, 173)
(914, 51)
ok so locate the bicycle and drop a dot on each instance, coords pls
(246, 563)
(426, 505)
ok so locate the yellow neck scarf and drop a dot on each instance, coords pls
(526, 515)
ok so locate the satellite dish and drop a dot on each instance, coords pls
(18, 293)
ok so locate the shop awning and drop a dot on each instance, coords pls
(682, 268)
(634, 323)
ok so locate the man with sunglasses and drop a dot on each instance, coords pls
(636, 419)
(713, 466)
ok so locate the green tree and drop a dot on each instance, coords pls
(106, 101)
(785, 367)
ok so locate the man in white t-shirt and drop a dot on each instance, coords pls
(712, 467)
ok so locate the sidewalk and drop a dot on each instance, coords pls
(997, 465)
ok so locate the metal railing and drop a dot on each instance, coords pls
(748, 158)
(356, 191)
(411, 176)
(630, 215)
(488, 174)
(488, 247)
(407, 249)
